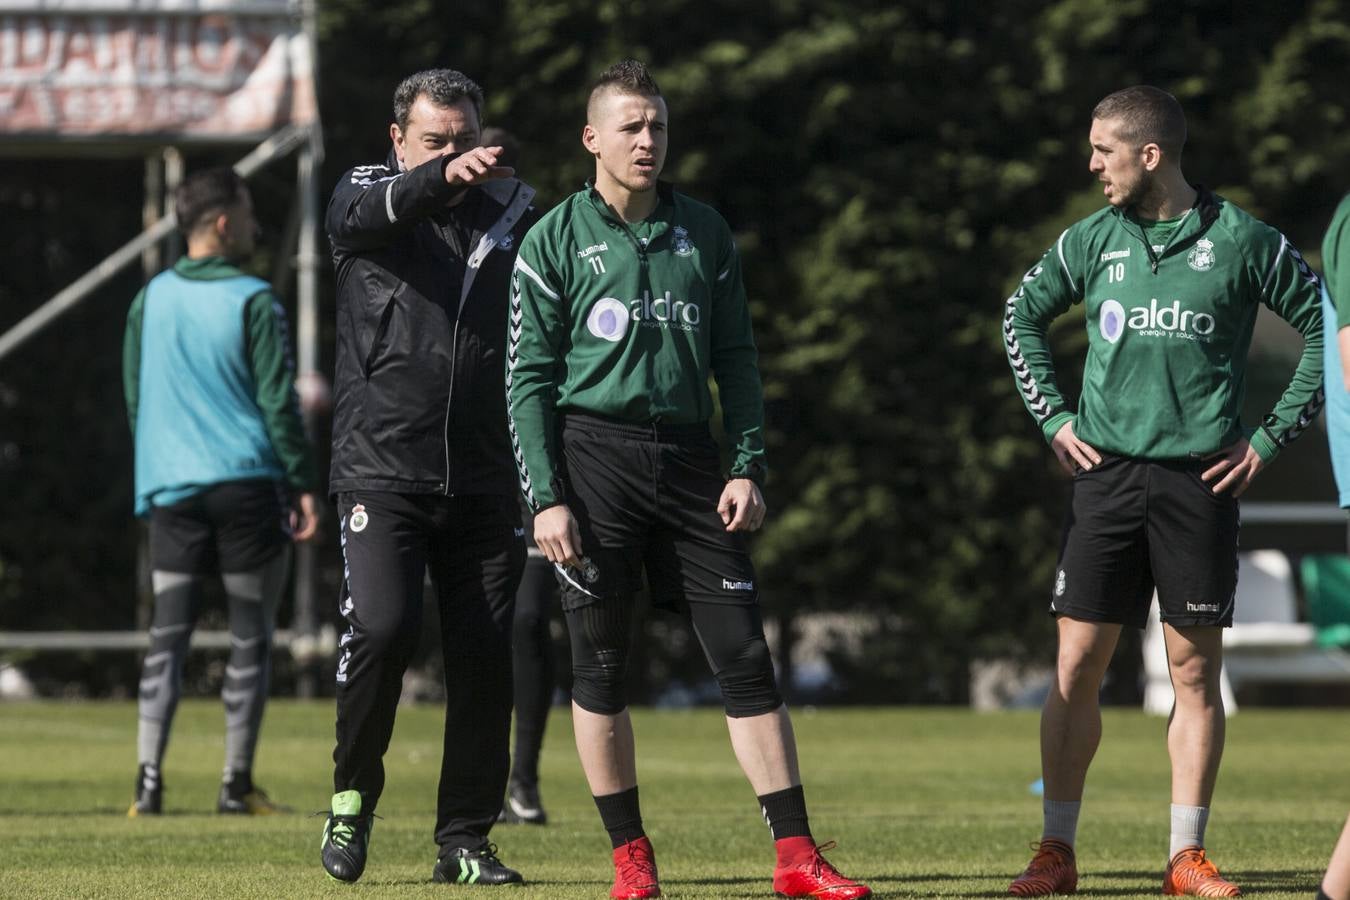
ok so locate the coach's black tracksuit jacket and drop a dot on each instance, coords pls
(420, 407)
(423, 471)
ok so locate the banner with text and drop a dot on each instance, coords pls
(172, 69)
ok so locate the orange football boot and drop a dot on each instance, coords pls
(1051, 871)
(1191, 874)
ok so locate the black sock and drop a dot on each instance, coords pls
(1322, 895)
(238, 783)
(785, 811)
(621, 815)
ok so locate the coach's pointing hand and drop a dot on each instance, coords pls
(557, 535)
(476, 166)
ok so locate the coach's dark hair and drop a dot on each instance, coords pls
(204, 195)
(443, 87)
(627, 77)
(1147, 116)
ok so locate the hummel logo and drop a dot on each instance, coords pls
(1202, 607)
(729, 585)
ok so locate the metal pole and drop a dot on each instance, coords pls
(279, 144)
(173, 177)
(151, 261)
(307, 353)
(307, 358)
(153, 209)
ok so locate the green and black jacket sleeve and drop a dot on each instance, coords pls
(273, 368)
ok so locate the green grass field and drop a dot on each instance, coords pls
(923, 804)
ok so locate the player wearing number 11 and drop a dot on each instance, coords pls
(626, 298)
(1170, 276)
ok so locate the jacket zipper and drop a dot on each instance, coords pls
(454, 354)
(1155, 258)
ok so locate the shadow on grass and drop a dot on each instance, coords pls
(368, 882)
(116, 812)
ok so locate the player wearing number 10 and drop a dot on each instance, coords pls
(1170, 276)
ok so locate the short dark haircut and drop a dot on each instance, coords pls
(627, 76)
(206, 194)
(510, 144)
(443, 87)
(1147, 115)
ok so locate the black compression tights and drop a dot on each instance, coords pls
(732, 637)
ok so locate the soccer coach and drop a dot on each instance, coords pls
(422, 467)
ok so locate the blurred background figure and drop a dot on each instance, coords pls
(1336, 324)
(223, 471)
(1336, 883)
(533, 662)
(532, 655)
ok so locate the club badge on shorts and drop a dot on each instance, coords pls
(360, 519)
(589, 570)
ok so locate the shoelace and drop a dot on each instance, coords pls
(821, 868)
(343, 828)
(1047, 855)
(489, 853)
(1198, 866)
(641, 863)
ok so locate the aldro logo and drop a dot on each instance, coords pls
(1170, 321)
(609, 319)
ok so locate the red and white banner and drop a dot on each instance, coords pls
(173, 69)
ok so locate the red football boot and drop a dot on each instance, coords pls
(635, 871)
(803, 872)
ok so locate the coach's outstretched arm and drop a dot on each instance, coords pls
(369, 209)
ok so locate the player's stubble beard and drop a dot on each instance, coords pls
(1144, 195)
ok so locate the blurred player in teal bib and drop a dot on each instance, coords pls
(223, 471)
(1336, 316)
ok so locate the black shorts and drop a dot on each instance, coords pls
(645, 497)
(1135, 525)
(232, 527)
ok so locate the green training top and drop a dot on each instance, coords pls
(1159, 231)
(1168, 332)
(628, 321)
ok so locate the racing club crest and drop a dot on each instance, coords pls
(683, 246)
(1201, 258)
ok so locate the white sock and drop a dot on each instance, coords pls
(1188, 827)
(1061, 820)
